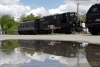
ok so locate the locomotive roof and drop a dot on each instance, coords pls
(59, 14)
(28, 20)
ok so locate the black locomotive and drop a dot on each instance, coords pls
(58, 23)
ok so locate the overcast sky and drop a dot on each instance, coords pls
(16, 8)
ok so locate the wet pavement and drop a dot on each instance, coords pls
(48, 53)
(63, 37)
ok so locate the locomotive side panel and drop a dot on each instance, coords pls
(63, 22)
(45, 24)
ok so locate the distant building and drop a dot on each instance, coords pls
(0, 30)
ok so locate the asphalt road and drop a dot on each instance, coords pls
(79, 37)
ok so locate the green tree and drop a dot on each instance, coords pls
(81, 17)
(23, 17)
(29, 17)
(8, 24)
(4, 19)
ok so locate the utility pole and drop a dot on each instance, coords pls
(77, 11)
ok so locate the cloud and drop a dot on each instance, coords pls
(14, 58)
(18, 58)
(84, 5)
(63, 60)
(60, 9)
(16, 9)
(10, 2)
(37, 11)
(67, 6)
(13, 8)
(71, 6)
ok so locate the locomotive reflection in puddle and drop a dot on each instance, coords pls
(69, 49)
(60, 48)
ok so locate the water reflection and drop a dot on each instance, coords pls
(47, 53)
(8, 46)
(60, 48)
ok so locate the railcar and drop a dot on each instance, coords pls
(29, 27)
(93, 19)
(26, 27)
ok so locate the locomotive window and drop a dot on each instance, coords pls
(42, 19)
(26, 25)
(57, 17)
(54, 17)
(32, 25)
(63, 19)
(75, 14)
(71, 14)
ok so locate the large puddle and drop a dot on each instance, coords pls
(48, 53)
